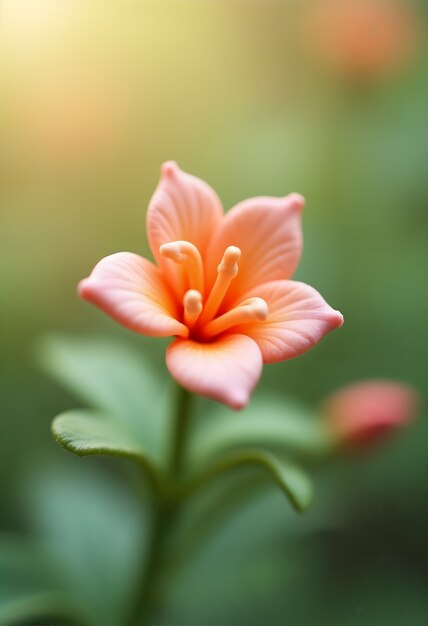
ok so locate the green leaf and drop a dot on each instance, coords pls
(34, 585)
(262, 437)
(98, 530)
(253, 557)
(293, 481)
(268, 422)
(110, 375)
(41, 606)
(85, 432)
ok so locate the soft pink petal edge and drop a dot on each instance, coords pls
(226, 370)
(183, 207)
(132, 291)
(268, 232)
(299, 317)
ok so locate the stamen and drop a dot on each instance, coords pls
(184, 252)
(227, 270)
(192, 303)
(253, 309)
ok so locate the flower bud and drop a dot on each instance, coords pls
(364, 412)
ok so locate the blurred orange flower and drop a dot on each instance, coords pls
(361, 37)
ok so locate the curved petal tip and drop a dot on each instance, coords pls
(337, 319)
(295, 201)
(298, 319)
(82, 288)
(169, 168)
(238, 400)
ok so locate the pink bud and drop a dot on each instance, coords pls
(363, 412)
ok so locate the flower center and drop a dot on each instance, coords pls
(199, 315)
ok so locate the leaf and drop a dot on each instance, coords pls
(253, 559)
(19, 569)
(293, 481)
(110, 375)
(85, 432)
(34, 584)
(260, 437)
(267, 422)
(43, 605)
(99, 531)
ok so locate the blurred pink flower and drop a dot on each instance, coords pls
(220, 285)
(361, 37)
(366, 411)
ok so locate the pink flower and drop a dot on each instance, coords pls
(221, 285)
(366, 411)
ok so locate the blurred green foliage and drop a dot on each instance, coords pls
(94, 97)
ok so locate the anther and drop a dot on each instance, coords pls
(192, 303)
(251, 310)
(229, 263)
(184, 252)
(227, 270)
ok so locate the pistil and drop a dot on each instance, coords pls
(253, 309)
(186, 253)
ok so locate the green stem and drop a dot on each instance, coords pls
(165, 511)
(180, 429)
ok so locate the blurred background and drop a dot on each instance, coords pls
(327, 98)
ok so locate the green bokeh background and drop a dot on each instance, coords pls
(95, 96)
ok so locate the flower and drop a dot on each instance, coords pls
(367, 411)
(361, 37)
(221, 285)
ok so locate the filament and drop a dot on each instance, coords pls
(253, 309)
(186, 253)
(226, 272)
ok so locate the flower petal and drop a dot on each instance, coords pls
(268, 232)
(298, 318)
(183, 208)
(132, 290)
(226, 370)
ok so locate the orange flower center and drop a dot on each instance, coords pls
(199, 314)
